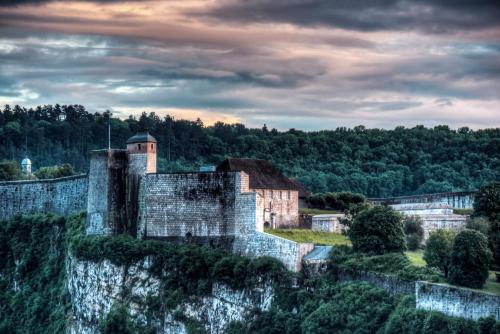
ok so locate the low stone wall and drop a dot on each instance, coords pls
(457, 302)
(63, 196)
(290, 253)
(391, 284)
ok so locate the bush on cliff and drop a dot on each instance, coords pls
(33, 295)
(470, 259)
(378, 230)
(437, 250)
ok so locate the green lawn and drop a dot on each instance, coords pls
(318, 212)
(316, 237)
(416, 258)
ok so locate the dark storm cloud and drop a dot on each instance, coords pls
(429, 16)
(12, 3)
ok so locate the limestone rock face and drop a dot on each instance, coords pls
(95, 287)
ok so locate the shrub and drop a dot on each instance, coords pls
(413, 231)
(10, 171)
(470, 259)
(437, 250)
(54, 172)
(479, 223)
(378, 230)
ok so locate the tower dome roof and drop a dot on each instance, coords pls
(26, 161)
(141, 137)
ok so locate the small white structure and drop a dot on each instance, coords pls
(328, 223)
(26, 166)
(433, 216)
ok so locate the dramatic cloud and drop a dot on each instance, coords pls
(304, 64)
(429, 15)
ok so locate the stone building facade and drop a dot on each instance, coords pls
(277, 195)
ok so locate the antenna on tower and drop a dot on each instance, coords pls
(109, 134)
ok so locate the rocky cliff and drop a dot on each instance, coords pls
(95, 287)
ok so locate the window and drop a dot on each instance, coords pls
(151, 146)
(288, 194)
(281, 194)
(139, 146)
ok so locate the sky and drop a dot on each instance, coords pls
(309, 64)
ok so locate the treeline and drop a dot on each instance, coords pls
(374, 162)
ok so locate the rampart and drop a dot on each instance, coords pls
(457, 302)
(457, 200)
(62, 196)
(198, 207)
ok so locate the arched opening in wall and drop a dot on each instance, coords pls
(189, 237)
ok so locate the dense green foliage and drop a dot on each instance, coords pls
(377, 230)
(53, 172)
(374, 162)
(329, 307)
(470, 259)
(31, 253)
(487, 204)
(11, 171)
(437, 250)
(414, 232)
(335, 201)
(396, 264)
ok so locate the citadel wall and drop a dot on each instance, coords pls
(198, 207)
(457, 302)
(62, 196)
(457, 200)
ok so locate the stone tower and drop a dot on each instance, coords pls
(26, 166)
(141, 153)
(141, 150)
(106, 211)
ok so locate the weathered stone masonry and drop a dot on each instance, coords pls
(62, 196)
(189, 206)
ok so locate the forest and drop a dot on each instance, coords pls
(373, 162)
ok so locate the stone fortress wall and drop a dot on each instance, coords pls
(184, 206)
(62, 196)
(433, 216)
(457, 200)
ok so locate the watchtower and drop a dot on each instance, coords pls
(141, 150)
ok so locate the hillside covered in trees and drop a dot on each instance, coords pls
(374, 162)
